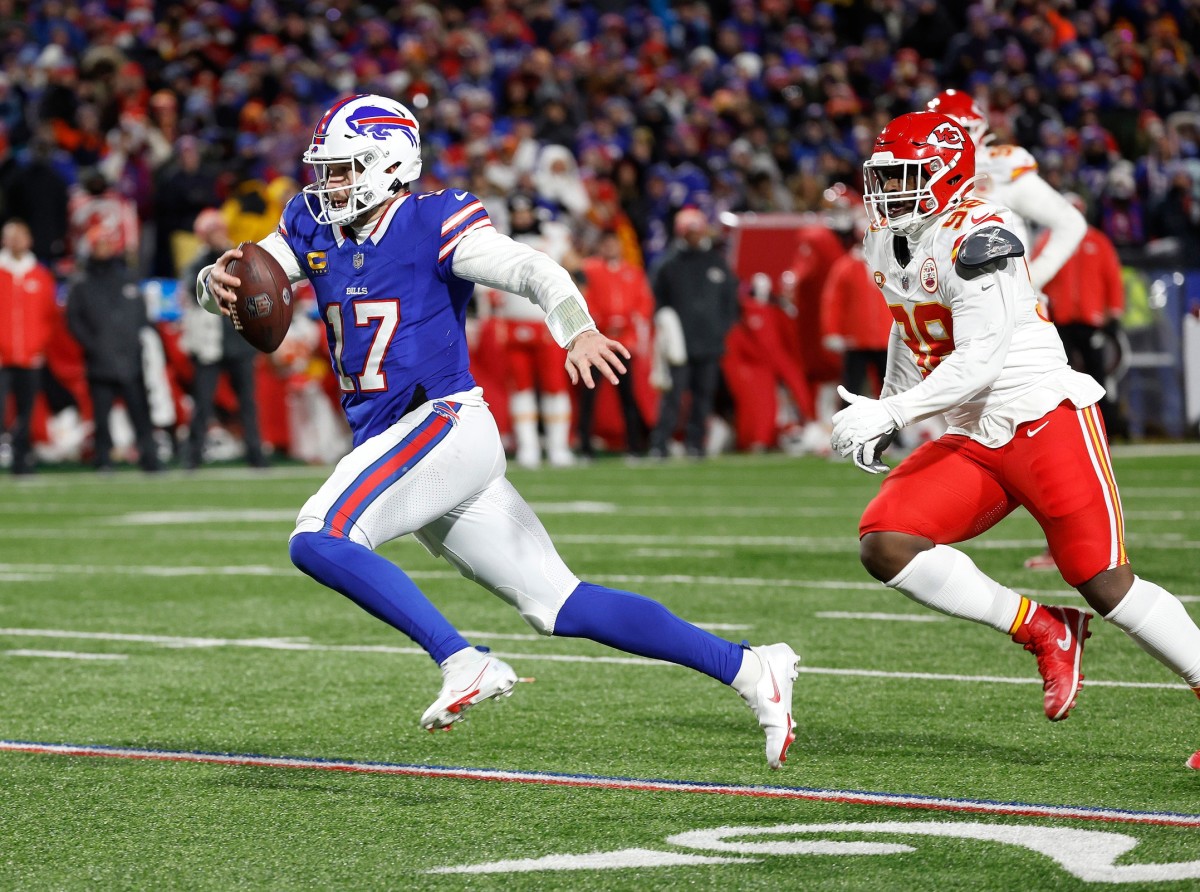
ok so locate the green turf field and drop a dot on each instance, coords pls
(162, 614)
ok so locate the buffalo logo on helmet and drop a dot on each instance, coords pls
(379, 123)
(946, 136)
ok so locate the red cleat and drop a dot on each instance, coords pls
(1055, 635)
(1194, 761)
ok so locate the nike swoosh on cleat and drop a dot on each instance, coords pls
(775, 685)
(1035, 430)
(1064, 643)
(475, 681)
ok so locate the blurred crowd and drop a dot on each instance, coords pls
(124, 122)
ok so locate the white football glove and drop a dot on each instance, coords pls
(862, 421)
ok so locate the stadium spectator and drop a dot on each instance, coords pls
(183, 188)
(28, 317)
(216, 348)
(36, 192)
(696, 282)
(106, 312)
(94, 201)
(1176, 216)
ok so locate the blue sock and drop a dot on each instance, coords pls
(638, 625)
(377, 586)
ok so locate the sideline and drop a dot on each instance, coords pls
(847, 797)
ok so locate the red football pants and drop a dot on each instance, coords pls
(535, 361)
(1058, 467)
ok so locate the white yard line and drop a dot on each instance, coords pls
(301, 644)
(64, 655)
(883, 617)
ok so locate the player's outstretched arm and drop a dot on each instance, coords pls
(592, 350)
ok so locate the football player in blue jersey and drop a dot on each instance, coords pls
(393, 271)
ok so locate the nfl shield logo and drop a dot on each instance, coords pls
(358, 261)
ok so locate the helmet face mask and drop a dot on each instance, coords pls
(922, 166)
(363, 151)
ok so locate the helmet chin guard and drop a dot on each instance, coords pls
(379, 141)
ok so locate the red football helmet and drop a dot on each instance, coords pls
(923, 165)
(961, 107)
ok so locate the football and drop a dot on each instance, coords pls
(263, 312)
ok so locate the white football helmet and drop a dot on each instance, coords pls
(379, 138)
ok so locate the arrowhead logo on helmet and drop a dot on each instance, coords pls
(923, 164)
(946, 136)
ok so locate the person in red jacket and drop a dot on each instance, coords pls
(619, 296)
(757, 360)
(1086, 298)
(27, 319)
(855, 323)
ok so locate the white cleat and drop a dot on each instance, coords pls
(771, 698)
(468, 677)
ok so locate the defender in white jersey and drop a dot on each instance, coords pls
(969, 342)
(1007, 175)
(393, 271)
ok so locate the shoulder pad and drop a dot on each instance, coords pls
(989, 245)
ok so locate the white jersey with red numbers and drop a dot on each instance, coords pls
(1008, 176)
(977, 350)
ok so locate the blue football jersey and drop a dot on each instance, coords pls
(394, 312)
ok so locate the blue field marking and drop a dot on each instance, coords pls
(850, 797)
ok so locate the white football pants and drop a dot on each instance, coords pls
(438, 473)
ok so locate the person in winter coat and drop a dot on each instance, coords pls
(695, 281)
(105, 313)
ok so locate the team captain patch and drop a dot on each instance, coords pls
(929, 276)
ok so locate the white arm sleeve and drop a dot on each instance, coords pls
(276, 246)
(490, 258)
(1037, 201)
(984, 317)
